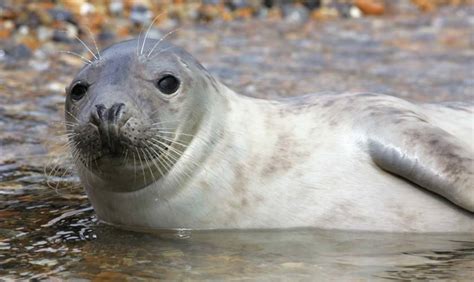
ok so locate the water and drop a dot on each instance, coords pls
(47, 228)
(78, 247)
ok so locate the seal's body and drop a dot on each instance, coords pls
(200, 156)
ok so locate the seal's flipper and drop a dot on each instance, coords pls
(428, 156)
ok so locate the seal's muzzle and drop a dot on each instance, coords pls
(109, 121)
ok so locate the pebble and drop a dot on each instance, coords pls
(371, 7)
(295, 14)
(140, 15)
(45, 262)
(38, 21)
(116, 7)
(61, 15)
(19, 52)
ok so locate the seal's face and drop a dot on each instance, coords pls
(125, 111)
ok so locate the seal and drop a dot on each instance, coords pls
(160, 143)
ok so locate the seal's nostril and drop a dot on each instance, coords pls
(97, 116)
(100, 111)
(110, 116)
(115, 112)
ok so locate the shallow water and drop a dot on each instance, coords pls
(78, 247)
(47, 228)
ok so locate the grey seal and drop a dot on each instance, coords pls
(160, 143)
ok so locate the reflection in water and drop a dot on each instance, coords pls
(281, 254)
(74, 245)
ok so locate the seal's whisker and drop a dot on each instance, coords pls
(159, 160)
(87, 47)
(169, 147)
(172, 132)
(162, 156)
(91, 35)
(170, 140)
(170, 136)
(72, 115)
(164, 121)
(84, 59)
(125, 155)
(54, 171)
(161, 39)
(62, 176)
(170, 159)
(161, 51)
(147, 164)
(60, 122)
(163, 128)
(148, 30)
(134, 168)
(187, 170)
(169, 163)
(68, 134)
(141, 165)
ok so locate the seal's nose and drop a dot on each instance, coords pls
(108, 121)
(104, 115)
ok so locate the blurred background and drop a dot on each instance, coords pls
(420, 50)
(27, 25)
(263, 47)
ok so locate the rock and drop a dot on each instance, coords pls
(116, 7)
(325, 13)
(344, 9)
(67, 35)
(312, 4)
(140, 15)
(355, 12)
(241, 4)
(7, 29)
(296, 14)
(401, 7)
(86, 9)
(3, 55)
(19, 52)
(44, 33)
(60, 36)
(208, 13)
(268, 3)
(370, 7)
(106, 35)
(61, 15)
(211, 2)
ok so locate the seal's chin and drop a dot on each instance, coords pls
(129, 160)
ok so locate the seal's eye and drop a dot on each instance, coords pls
(168, 84)
(78, 91)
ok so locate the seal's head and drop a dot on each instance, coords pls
(127, 108)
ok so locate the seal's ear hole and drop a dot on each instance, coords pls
(168, 84)
(78, 91)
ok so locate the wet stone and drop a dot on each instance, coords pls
(295, 14)
(140, 15)
(18, 52)
(62, 15)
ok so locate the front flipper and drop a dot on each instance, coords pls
(426, 155)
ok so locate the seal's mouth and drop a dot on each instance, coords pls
(130, 145)
(119, 148)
